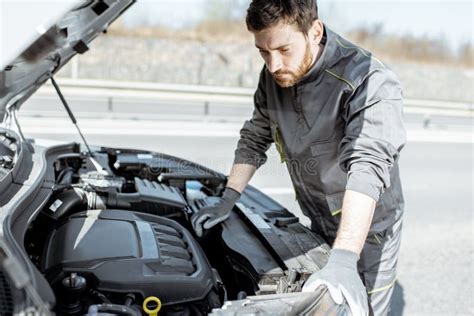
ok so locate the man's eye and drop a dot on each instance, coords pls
(284, 49)
(263, 52)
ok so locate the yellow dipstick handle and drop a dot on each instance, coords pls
(154, 311)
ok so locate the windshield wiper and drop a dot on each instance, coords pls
(71, 115)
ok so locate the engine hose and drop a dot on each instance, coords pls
(94, 310)
(121, 200)
(66, 203)
(76, 200)
(129, 299)
(100, 296)
(65, 176)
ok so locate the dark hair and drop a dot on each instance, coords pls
(262, 14)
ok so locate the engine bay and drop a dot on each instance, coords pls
(115, 235)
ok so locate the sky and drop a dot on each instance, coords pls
(450, 20)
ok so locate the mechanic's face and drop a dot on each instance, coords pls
(287, 52)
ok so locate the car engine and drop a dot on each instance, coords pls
(115, 235)
(126, 251)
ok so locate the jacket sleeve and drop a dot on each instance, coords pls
(374, 133)
(255, 135)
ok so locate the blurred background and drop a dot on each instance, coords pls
(205, 42)
(178, 77)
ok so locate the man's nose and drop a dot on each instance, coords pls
(274, 63)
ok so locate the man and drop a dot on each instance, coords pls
(334, 113)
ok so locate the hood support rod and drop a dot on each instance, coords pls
(71, 115)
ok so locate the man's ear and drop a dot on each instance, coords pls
(317, 31)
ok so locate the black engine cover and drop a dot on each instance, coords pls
(127, 252)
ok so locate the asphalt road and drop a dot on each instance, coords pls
(437, 257)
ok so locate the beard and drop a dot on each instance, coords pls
(287, 78)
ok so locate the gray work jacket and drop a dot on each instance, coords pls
(340, 127)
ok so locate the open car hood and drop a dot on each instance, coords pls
(54, 47)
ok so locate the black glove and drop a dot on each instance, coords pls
(209, 216)
(342, 280)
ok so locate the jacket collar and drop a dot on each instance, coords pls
(329, 41)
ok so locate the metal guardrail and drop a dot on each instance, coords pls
(208, 96)
(151, 86)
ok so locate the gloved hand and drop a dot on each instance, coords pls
(209, 216)
(342, 280)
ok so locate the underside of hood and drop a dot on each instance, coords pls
(53, 48)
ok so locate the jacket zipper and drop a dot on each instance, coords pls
(296, 104)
